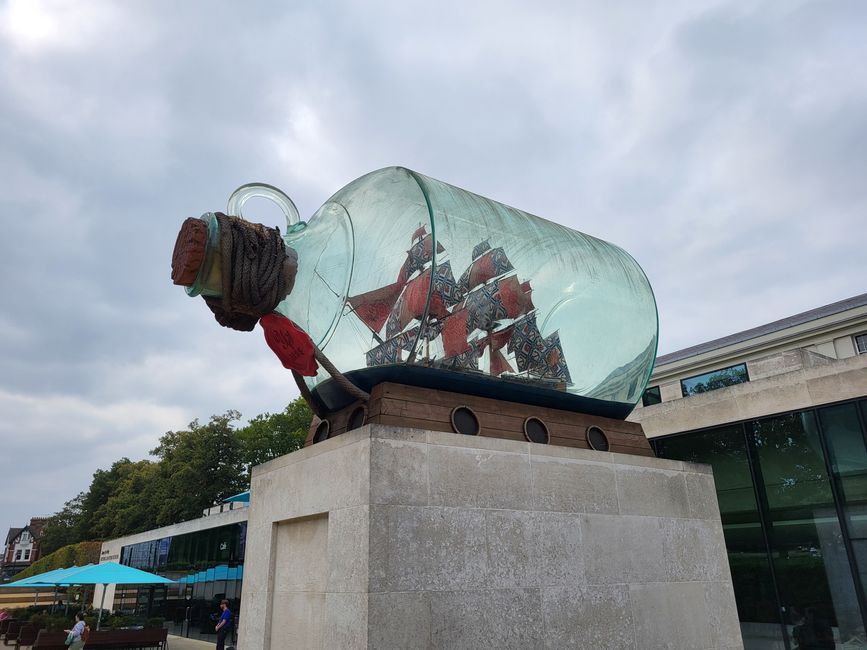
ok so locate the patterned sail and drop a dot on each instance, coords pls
(489, 299)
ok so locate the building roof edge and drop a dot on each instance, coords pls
(762, 330)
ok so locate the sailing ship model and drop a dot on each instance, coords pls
(483, 322)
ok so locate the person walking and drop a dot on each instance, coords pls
(224, 625)
(74, 639)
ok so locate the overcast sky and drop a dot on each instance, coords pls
(723, 144)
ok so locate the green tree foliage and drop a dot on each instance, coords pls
(63, 527)
(129, 506)
(198, 467)
(193, 469)
(271, 435)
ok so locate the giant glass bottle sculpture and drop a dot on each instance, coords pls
(404, 278)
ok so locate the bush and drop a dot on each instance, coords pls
(117, 621)
(156, 622)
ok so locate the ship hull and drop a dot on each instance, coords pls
(330, 397)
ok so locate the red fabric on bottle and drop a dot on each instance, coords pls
(290, 343)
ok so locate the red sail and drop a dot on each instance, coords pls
(499, 365)
(500, 338)
(417, 256)
(455, 333)
(374, 306)
(493, 263)
(415, 300)
(513, 297)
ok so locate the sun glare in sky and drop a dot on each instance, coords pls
(29, 23)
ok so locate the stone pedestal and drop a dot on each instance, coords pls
(401, 538)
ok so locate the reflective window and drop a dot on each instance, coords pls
(715, 379)
(848, 454)
(861, 343)
(812, 569)
(207, 565)
(725, 450)
(651, 396)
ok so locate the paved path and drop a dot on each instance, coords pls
(180, 643)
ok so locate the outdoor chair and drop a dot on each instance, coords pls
(46, 640)
(4, 625)
(26, 636)
(12, 633)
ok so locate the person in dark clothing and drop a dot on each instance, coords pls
(224, 625)
(814, 632)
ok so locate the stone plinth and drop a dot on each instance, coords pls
(400, 538)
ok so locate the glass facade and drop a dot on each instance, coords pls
(792, 492)
(714, 379)
(208, 566)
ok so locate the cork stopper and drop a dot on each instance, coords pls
(189, 251)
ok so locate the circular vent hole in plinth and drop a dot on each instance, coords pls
(323, 429)
(536, 431)
(597, 439)
(465, 421)
(356, 418)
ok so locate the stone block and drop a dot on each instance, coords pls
(671, 616)
(347, 549)
(512, 538)
(399, 620)
(478, 478)
(297, 621)
(492, 618)
(622, 549)
(694, 549)
(564, 485)
(485, 443)
(433, 548)
(723, 614)
(398, 472)
(301, 555)
(345, 622)
(649, 492)
(580, 617)
(559, 549)
(701, 492)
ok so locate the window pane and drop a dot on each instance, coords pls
(849, 461)
(813, 573)
(651, 396)
(715, 379)
(861, 343)
(724, 449)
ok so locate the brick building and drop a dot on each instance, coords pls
(21, 548)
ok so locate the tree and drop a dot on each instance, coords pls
(64, 527)
(269, 435)
(131, 506)
(194, 469)
(198, 468)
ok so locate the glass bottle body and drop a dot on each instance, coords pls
(404, 278)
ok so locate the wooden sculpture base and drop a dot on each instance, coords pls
(423, 408)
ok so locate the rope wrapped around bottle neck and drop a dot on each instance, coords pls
(258, 272)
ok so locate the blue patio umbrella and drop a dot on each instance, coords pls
(111, 573)
(45, 579)
(241, 496)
